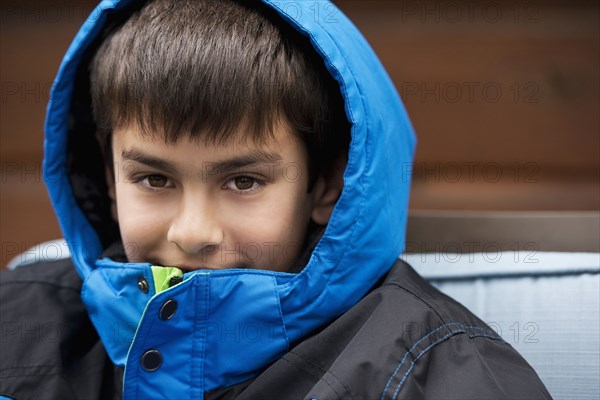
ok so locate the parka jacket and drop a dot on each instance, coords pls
(403, 340)
(254, 334)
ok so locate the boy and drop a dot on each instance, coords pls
(232, 240)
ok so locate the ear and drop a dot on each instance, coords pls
(327, 191)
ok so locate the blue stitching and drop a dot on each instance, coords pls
(287, 339)
(430, 346)
(205, 326)
(419, 356)
(143, 329)
(486, 336)
(403, 358)
(423, 338)
(194, 288)
(194, 323)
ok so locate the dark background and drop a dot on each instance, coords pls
(504, 97)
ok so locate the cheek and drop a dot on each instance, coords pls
(271, 231)
(140, 223)
(272, 217)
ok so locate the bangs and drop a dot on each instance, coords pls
(208, 70)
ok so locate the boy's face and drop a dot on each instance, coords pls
(197, 206)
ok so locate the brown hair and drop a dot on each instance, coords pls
(206, 68)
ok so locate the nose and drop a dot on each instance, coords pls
(195, 227)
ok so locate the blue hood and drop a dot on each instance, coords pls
(229, 325)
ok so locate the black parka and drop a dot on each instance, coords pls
(404, 340)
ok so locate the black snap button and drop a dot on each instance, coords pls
(151, 360)
(143, 284)
(168, 310)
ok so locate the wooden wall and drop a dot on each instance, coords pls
(504, 96)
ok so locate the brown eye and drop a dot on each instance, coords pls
(244, 182)
(157, 181)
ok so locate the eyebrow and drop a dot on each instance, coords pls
(217, 167)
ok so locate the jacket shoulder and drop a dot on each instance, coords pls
(405, 339)
(456, 351)
(60, 273)
(49, 347)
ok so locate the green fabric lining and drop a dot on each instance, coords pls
(163, 275)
